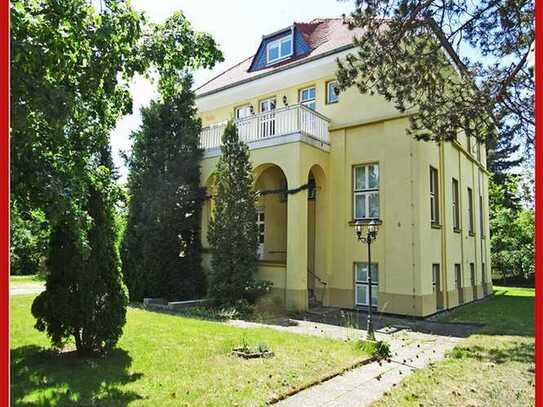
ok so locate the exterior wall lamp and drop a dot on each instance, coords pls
(368, 238)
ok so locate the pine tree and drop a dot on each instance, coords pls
(85, 297)
(232, 232)
(161, 248)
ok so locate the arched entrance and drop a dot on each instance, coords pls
(316, 218)
(271, 187)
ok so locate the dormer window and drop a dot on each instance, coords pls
(279, 49)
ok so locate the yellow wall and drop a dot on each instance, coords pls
(365, 129)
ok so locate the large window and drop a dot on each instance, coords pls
(455, 205)
(470, 211)
(434, 197)
(435, 276)
(307, 97)
(457, 276)
(279, 49)
(472, 274)
(366, 191)
(331, 92)
(481, 219)
(361, 283)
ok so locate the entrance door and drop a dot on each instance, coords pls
(267, 118)
(436, 283)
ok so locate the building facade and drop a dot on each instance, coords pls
(323, 161)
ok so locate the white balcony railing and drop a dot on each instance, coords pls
(276, 123)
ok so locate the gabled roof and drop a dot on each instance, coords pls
(321, 37)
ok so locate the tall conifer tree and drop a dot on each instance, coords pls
(161, 249)
(233, 231)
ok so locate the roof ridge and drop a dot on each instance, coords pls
(223, 72)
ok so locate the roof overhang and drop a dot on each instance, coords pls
(307, 69)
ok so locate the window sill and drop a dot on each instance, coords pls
(457, 230)
(332, 103)
(435, 225)
(471, 234)
(364, 221)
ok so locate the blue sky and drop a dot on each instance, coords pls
(237, 25)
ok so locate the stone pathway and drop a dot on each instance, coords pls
(25, 289)
(411, 349)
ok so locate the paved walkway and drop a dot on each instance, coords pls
(411, 349)
(25, 289)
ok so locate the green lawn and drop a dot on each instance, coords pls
(25, 280)
(493, 368)
(164, 360)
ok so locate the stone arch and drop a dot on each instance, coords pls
(271, 204)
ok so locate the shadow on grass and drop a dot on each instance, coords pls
(522, 352)
(41, 377)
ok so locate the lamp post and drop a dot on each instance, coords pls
(370, 236)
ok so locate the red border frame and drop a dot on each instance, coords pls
(4, 200)
(538, 202)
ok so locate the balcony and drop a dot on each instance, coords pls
(279, 126)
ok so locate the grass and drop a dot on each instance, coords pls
(167, 360)
(495, 367)
(26, 280)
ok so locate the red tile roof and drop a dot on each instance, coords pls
(324, 36)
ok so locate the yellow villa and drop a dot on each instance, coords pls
(323, 161)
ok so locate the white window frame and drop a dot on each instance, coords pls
(455, 204)
(374, 285)
(435, 271)
(311, 103)
(328, 92)
(261, 234)
(470, 212)
(278, 43)
(367, 191)
(434, 196)
(243, 108)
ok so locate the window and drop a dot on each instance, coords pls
(361, 283)
(457, 276)
(435, 276)
(470, 211)
(331, 92)
(261, 226)
(279, 49)
(455, 206)
(468, 138)
(481, 221)
(483, 276)
(472, 274)
(366, 191)
(478, 151)
(307, 97)
(243, 111)
(434, 197)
